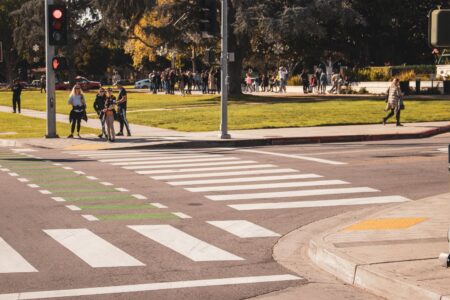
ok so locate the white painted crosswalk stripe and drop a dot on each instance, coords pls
(158, 158)
(146, 287)
(301, 193)
(11, 261)
(319, 160)
(205, 169)
(183, 243)
(135, 153)
(92, 249)
(243, 229)
(207, 164)
(265, 186)
(321, 203)
(244, 179)
(224, 174)
(180, 161)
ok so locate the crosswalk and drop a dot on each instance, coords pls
(222, 177)
(97, 252)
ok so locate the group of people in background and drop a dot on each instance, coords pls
(105, 105)
(207, 81)
(316, 82)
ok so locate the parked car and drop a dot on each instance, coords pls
(125, 82)
(142, 84)
(86, 84)
(62, 85)
(36, 83)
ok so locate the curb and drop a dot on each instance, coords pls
(294, 140)
(361, 274)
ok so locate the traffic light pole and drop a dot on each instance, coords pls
(224, 73)
(50, 79)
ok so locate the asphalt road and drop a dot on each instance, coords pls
(187, 223)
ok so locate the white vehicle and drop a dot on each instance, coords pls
(142, 84)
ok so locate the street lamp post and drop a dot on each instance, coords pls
(224, 80)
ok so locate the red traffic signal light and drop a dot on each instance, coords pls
(59, 63)
(57, 25)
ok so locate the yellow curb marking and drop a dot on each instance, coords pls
(385, 224)
(87, 147)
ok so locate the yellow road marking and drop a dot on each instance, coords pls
(385, 224)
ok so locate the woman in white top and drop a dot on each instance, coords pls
(78, 112)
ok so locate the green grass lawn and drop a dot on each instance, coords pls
(27, 127)
(202, 113)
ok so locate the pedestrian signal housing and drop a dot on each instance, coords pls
(59, 63)
(439, 28)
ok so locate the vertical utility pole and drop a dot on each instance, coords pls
(50, 78)
(224, 73)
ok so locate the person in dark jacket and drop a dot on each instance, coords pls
(99, 105)
(16, 88)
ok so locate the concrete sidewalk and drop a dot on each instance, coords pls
(145, 136)
(392, 253)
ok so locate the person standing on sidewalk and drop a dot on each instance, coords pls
(78, 112)
(99, 104)
(394, 101)
(122, 106)
(16, 89)
(109, 111)
(43, 84)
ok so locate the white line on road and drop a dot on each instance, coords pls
(121, 190)
(158, 205)
(45, 192)
(140, 197)
(133, 154)
(58, 199)
(174, 161)
(208, 164)
(92, 249)
(244, 179)
(147, 287)
(243, 229)
(91, 177)
(90, 218)
(13, 174)
(5, 170)
(265, 186)
(67, 168)
(73, 207)
(182, 215)
(79, 172)
(11, 261)
(321, 203)
(183, 243)
(445, 150)
(224, 174)
(33, 186)
(158, 158)
(106, 183)
(57, 164)
(319, 160)
(24, 150)
(205, 169)
(301, 193)
(23, 180)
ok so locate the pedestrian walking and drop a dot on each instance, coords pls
(283, 74)
(99, 105)
(323, 82)
(318, 83)
(43, 84)
(16, 89)
(78, 112)
(312, 83)
(109, 112)
(305, 81)
(394, 102)
(122, 107)
(212, 82)
(335, 83)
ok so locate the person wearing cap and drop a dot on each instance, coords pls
(122, 107)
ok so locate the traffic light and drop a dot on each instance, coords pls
(439, 28)
(57, 25)
(59, 63)
(208, 18)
